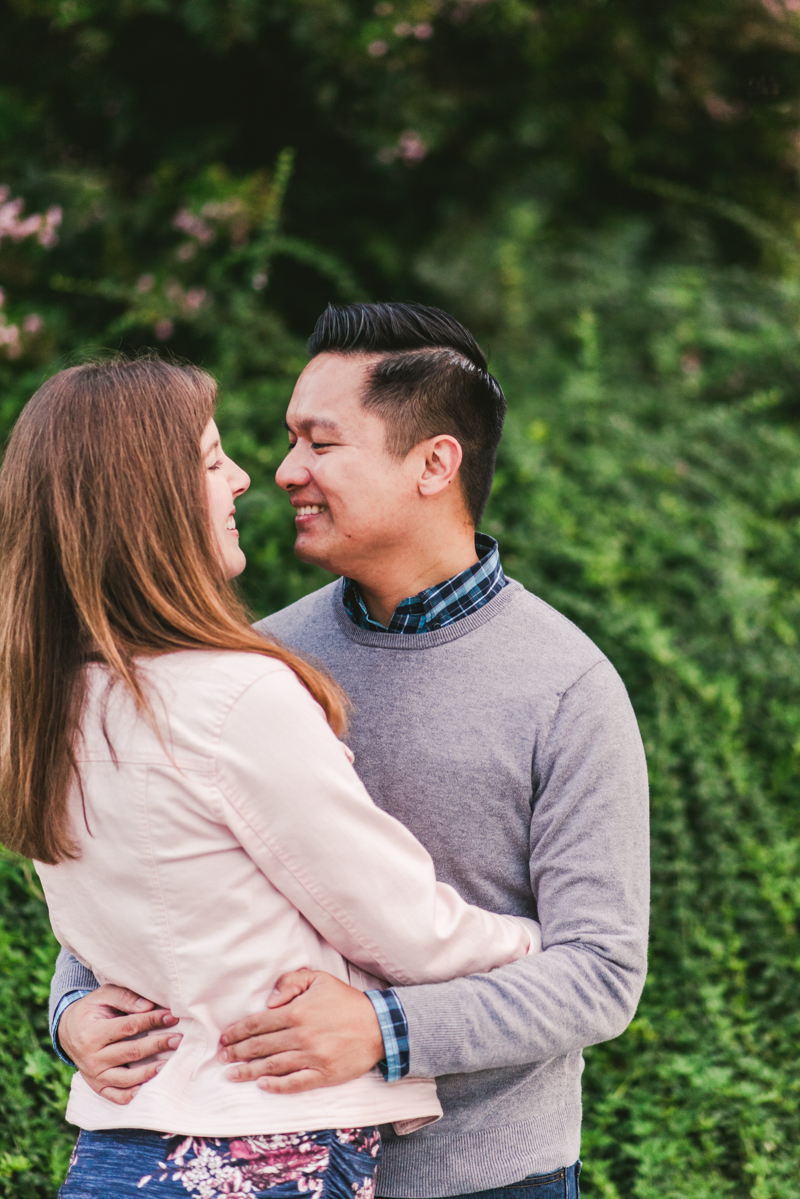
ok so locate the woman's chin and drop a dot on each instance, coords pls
(235, 563)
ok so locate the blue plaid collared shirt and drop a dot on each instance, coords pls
(432, 609)
(437, 606)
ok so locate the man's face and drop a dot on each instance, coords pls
(353, 499)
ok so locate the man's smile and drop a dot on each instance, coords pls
(306, 513)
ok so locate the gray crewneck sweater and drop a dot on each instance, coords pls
(507, 744)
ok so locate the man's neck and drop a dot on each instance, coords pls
(384, 585)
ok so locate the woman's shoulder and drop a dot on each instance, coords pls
(191, 693)
(220, 677)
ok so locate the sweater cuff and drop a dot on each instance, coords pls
(64, 1002)
(394, 1030)
(437, 1028)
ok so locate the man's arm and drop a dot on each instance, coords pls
(69, 976)
(590, 880)
(105, 1031)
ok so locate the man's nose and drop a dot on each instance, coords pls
(291, 472)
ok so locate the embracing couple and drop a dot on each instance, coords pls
(342, 896)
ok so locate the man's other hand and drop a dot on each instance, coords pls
(107, 1032)
(316, 1032)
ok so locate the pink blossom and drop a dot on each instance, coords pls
(52, 219)
(17, 229)
(194, 298)
(423, 31)
(223, 210)
(720, 109)
(412, 147)
(32, 323)
(195, 226)
(259, 280)
(403, 29)
(377, 49)
(779, 8)
(164, 330)
(186, 251)
(2, 297)
(145, 283)
(26, 228)
(9, 337)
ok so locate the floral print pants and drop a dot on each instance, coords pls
(335, 1163)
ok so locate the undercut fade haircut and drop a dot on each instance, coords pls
(431, 378)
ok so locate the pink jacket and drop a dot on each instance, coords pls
(237, 845)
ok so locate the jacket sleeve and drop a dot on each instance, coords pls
(69, 975)
(290, 795)
(590, 880)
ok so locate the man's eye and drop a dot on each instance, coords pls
(320, 445)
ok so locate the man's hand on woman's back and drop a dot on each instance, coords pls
(109, 1033)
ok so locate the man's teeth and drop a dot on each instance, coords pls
(309, 510)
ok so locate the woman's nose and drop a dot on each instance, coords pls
(239, 481)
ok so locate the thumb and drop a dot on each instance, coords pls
(289, 986)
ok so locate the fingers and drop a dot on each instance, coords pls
(290, 1084)
(117, 1029)
(125, 1078)
(258, 1047)
(122, 1053)
(260, 1024)
(118, 1097)
(289, 986)
(123, 999)
(284, 1062)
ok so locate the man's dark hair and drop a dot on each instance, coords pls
(432, 378)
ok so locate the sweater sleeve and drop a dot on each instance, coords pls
(291, 797)
(590, 880)
(69, 975)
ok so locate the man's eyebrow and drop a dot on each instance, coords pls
(315, 422)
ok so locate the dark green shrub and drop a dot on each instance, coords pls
(648, 487)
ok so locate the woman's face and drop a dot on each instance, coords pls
(225, 481)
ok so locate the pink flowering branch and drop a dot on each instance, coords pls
(15, 227)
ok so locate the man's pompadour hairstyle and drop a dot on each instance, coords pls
(431, 378)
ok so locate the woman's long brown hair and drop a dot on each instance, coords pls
(106, 550)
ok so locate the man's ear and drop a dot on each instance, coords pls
(443, 456)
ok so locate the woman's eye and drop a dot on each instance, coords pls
(216, 465)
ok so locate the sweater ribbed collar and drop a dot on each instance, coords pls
(418, 641)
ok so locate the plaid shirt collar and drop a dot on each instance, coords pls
(437, 606)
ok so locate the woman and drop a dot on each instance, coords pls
(198, 827)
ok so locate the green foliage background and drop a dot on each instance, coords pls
(607, 194)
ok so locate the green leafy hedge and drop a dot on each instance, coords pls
(649, 487)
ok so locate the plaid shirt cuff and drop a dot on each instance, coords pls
(63, 1004)
(394, 1029)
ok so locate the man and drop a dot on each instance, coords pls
(487, 723)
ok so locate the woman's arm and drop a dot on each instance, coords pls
(292, 798)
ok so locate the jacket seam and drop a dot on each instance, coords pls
(290, 863)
